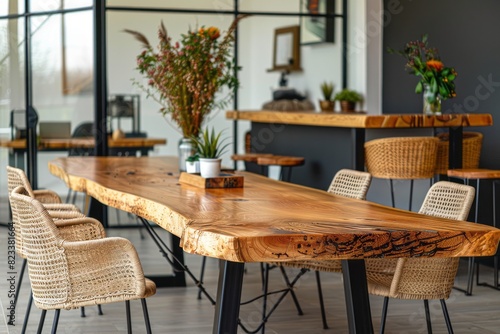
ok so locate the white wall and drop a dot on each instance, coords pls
(321, 62)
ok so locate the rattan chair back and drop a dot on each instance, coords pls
(471, 151)
(48, 269)
(423, 278)
(350, 183)
(17, 178)
(68, 274)
(402, 158)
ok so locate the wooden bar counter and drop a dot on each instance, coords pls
(330, 141)
(267, 220)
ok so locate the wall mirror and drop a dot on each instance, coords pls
(287, 49)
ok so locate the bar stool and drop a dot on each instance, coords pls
(264, 160)
(401, 158)
(285, 162)
(479, 174)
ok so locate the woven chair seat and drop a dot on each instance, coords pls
(413, 278)
(471, 151)
(402, 158)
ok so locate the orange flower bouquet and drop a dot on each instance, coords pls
(436, 80)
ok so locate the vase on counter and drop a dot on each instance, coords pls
(432, 102)
(186, 149)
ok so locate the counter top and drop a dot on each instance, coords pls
(361, 120)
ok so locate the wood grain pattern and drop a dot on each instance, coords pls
(61, 144)
(358, 120)
(268, 220)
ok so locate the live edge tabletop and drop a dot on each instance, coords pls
(268, 220)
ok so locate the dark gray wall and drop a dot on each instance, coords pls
(466, 32)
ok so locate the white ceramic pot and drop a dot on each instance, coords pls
(210, 167)
(192, 166)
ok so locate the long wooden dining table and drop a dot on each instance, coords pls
(269, 221)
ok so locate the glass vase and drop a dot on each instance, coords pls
(186, 149)
(432, 102)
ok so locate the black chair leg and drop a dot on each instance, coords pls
(55, 322)
(82, 312)
(392, 194)
(428, 316)
(446, 316)
(384, 315)
(42, 320)
(321, 301)
(129, 320)
(27, 316)
(99, 310)
(411, 194)
(146, 315)
(21, 274)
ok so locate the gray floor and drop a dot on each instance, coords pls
(177, 310)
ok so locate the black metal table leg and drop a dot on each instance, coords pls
(227, 307)
(356, 294)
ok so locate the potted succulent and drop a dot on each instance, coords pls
(210, 147)
(327, 90)
(348, 99)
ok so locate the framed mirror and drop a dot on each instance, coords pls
(287, 49)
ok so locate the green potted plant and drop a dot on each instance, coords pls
(210, 146)
(348, 99)
(327, 90)
(193, 164)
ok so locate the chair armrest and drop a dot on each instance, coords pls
(61, 207)
(46, 196)
(66, 214)
(80, 229)
(103, 271)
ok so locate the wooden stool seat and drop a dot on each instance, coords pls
(474, 173)
(280, 160)
(478, 174)
(249, 157)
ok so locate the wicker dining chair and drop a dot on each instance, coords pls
(423, 278)
(347, 183)
(67, 274)
(402, 158)
(73, 224)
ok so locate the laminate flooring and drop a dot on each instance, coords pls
(178, 310)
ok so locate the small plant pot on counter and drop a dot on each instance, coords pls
(347, 106)
(210, 167)
(326, 105)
